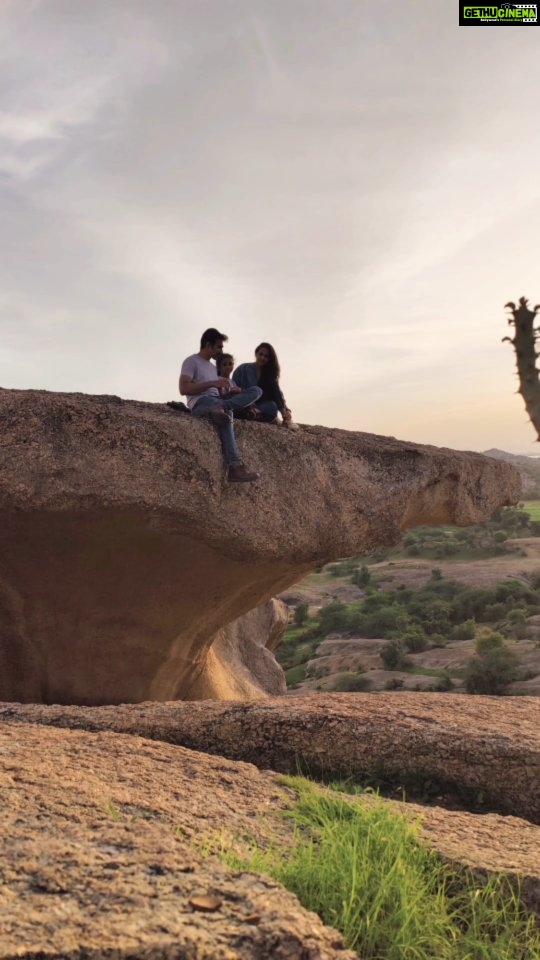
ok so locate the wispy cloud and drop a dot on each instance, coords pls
(286, 171)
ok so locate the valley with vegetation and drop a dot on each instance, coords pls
(446, 610)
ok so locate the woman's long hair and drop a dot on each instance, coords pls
(270, 373)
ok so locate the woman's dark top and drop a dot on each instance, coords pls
(246, 375)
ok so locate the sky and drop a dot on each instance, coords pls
(355, 182)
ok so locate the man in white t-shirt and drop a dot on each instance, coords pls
(200, 383)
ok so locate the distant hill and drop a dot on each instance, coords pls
(529, 468)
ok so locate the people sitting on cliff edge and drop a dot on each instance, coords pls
(265, 374)
(201, 385)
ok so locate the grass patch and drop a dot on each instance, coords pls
(363, 869)
(295, 675)
(532, 507)
(416, 670)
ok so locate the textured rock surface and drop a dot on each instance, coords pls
(99, 855)
(100, 852)
(123, 551)
(240, 664)
(479, 745)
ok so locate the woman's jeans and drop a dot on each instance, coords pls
(269, 411)
(235, 401)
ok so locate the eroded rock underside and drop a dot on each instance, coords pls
(123, 552)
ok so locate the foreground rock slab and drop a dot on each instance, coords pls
(100, 852)
(99, 855)
(123, 551)
(483, 748)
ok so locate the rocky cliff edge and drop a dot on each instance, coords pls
(123, 551)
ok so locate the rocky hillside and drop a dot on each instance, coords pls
(529, 469)
(444, 606)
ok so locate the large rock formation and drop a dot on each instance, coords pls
(240, 664)
(123, 552)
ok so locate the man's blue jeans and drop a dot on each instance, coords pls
(235, 401)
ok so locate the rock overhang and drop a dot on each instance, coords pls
(124, 551)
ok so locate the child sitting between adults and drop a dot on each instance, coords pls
(225, 367)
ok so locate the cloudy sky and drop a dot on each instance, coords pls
(355, 182)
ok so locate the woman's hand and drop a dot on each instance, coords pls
(287, 414)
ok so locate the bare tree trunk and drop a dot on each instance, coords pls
(524, 343)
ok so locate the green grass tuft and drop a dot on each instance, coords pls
(364, 870)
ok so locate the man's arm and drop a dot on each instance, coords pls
(191, 388)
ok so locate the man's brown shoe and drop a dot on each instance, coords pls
(239, 474)
(218, 416)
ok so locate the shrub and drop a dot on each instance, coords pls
(492, 668)
(350, 683)
(381, 622)
(333, 618)
(463, 631)
(470, 603)
(393, 655)
(301, 614)
(514, 590)
(295, 675)
(434, 614)
(414, 640)
(438, 640)
(516, 624)
(494, 611)
(361, 576)
(413, 550)
(444, 683)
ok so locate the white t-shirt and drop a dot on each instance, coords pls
(200, 370)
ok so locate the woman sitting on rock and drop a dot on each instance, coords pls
(265, 373)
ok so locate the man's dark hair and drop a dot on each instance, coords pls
(211, 336)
